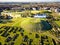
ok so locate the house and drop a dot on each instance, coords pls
(57, 10)
(37, 8)
(34, 8)
(15, 8)
(47, 8)
(30, 8)
(12, 14)
(40, 16)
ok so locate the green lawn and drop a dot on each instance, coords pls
(18, 41)
(28, 24)
(58, 23)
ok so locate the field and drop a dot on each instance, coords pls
(58, 23)
(25, 31)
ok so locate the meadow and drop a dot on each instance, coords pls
(25, 31)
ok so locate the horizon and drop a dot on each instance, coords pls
(29, 0)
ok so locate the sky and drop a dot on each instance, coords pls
(29, 0)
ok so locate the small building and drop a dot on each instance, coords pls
(47, 8)
(57, 10)
(12, 14)
(30, 8)
(34, 8)
(37, 8)
(40, 16)
(15, 8)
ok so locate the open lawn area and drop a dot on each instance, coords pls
(17, 21)
(10, 35)
(20, 31)
(58, 23)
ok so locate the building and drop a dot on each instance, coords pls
(34, 8)
(12, 14)
(47, 8)
(57, 10)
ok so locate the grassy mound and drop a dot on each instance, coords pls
(31, 24)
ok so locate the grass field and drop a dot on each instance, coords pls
(27, 24)
(58, 23)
